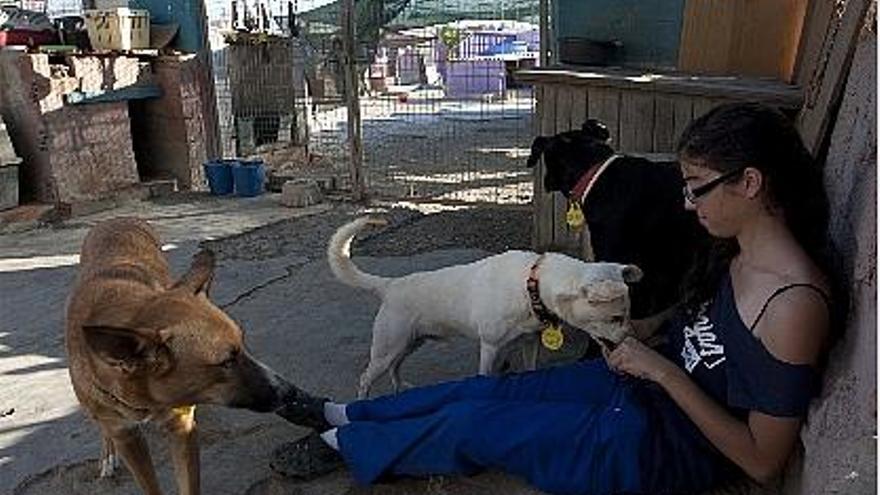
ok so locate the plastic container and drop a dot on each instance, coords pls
(21, 37)
(249, 178)
(118, 29)
(219, 175)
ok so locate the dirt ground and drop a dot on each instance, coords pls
(451, 150)
(488, 228)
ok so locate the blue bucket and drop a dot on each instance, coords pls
(219, 175)
(249, 178)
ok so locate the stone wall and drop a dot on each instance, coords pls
(839, 438)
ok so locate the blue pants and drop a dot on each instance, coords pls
(578, 429)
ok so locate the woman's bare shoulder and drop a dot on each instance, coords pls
(795, 323)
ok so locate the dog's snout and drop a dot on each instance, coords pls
(259, 388)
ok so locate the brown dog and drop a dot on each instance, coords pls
(143, 347)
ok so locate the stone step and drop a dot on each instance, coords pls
(300, 193)
(7, 152)
(26, 217)
(159, 188)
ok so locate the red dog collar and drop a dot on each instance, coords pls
(586, 182)
(544, 315)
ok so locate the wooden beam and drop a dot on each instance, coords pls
(352, 97)
(545, 202)
(636, 121)
(544, 30)
(122, 94)
(824, 66)
(769, 91)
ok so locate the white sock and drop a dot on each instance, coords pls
(334, 413)
(329, 437)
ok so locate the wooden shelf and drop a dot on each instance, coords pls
(770, 91)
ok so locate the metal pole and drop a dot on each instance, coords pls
(544, 31)
(356, 171)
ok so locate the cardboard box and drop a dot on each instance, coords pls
(118, 29)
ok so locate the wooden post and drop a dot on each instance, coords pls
(356, 171)
(827, 47)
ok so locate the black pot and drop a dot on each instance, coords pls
(584, 51)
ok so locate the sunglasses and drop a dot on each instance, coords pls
(692, 195)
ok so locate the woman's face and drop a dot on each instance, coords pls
(714, 197)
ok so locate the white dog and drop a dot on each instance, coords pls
(487, 300)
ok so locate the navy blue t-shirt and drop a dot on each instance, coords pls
(722, 355)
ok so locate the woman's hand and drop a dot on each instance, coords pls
(635, 358)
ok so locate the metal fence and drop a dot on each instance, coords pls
(442, 117)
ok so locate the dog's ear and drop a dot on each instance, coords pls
(198, 279)
(538, 147)
(631, 274)
(129, 350)
(596, 130)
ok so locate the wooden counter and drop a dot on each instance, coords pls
(644, 112)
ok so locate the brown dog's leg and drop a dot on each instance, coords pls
(109, 459)
(181, 426)
(130, 445)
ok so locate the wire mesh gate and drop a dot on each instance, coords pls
(442, 118)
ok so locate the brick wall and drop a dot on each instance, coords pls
(172, 132)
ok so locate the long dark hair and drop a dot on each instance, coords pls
(735, 135)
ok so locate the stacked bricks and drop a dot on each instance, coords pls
(70, 153)
(174, 127)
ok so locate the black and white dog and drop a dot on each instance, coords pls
(633, 208)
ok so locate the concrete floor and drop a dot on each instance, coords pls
(298, 319)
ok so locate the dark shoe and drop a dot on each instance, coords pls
(304, 409)
(307, 458)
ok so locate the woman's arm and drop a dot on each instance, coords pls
(761, 446)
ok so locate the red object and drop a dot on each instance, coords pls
(27, 38)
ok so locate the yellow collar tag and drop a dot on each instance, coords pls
(552, 338)
(184, 410)
(574, 217)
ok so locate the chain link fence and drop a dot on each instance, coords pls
(442, 117)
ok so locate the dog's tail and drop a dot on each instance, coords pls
(339, 256)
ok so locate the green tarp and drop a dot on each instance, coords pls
(373, 15)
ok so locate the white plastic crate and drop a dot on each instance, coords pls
(118, 29)
(111, 4)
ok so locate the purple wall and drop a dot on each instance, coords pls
(478, 43)
(440, 55)
(469, 78)
(533, 38)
